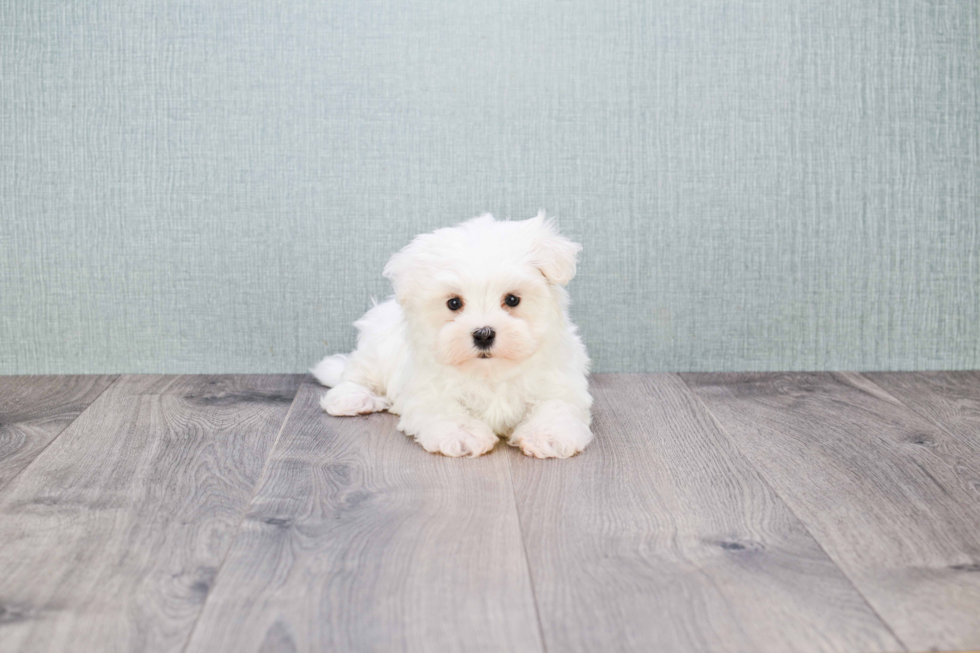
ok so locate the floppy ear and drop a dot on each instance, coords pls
(553, 254)
(398, 270)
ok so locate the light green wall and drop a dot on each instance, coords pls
(764, 184)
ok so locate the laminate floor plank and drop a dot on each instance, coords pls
(892, 497)
(950, 399)
(111, 539)
(34, 410)
(359, 540)
(662, 537)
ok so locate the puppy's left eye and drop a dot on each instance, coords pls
(512, 300)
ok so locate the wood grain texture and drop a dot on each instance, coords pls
(661, 537)
(35, 409)
(949, 399)
(112, 537)
(359, 540)
(892, 498)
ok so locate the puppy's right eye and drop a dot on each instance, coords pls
(455, 304)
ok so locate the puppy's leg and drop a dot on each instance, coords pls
(359, 381)
(452, 434)
(554, 429)
(349, 398)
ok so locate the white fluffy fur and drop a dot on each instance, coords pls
(416, 358)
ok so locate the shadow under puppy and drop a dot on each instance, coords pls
(475, 344)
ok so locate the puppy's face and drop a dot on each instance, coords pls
(482, 296)
(495, 320)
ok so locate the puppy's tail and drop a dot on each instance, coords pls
(329, 371)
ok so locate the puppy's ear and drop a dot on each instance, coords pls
(399, 271)
(553, 254)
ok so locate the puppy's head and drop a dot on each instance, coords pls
(484, 295)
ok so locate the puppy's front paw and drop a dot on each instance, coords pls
(352, 399)
(562, 438)
(455, 440)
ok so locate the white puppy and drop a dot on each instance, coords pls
(476, 343)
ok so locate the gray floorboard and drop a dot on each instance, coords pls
(891, 497)
(359, 540)
(34, 410)
(111, 539)
(949, 399)
(721, 512)
(662, 537)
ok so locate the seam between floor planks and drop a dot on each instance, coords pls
(661, 537)
(789, 506)
(527, 559)
(870, 387)
(923, 414)
(8, 482)
(134, 529)
(877, 377)
(887, 491)
(241, 522)
(358, 539)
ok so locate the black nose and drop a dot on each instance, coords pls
(483, 338)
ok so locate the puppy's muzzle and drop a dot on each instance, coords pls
(483, 338)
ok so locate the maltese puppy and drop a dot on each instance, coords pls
(475, 344)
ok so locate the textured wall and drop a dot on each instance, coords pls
(759, 184)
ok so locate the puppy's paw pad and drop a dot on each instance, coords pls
(544, 442)
(460, 442)
(341, 404)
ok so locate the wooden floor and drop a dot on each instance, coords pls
(713, 512)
